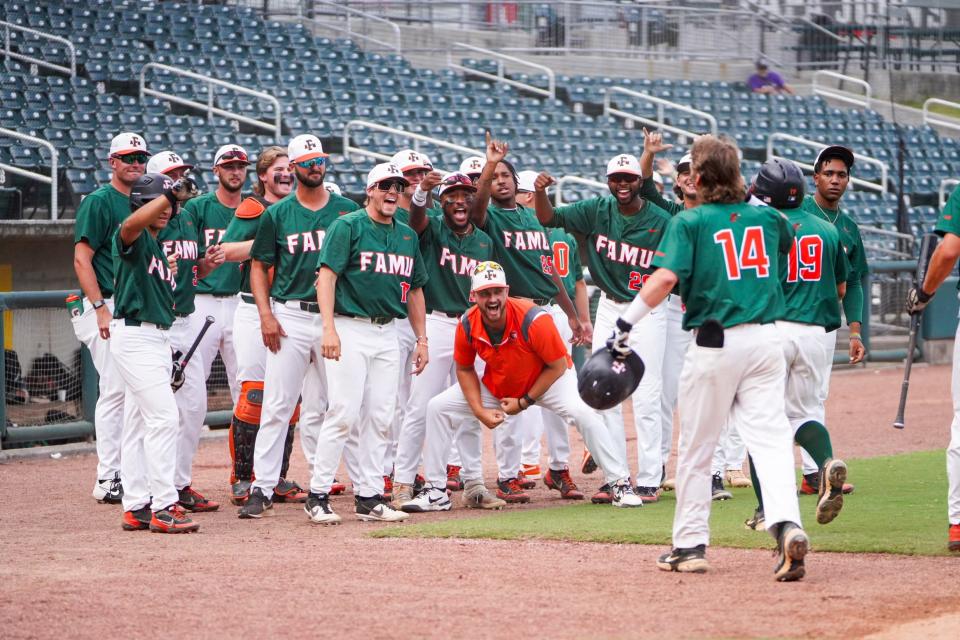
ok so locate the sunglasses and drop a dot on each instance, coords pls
(623, 177)
(133, 158)
(387, 185)
(313, 162)
(238, 156)
(457, 179)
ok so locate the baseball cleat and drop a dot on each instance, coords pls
(137, 519)
(337, 488)
(288, 491)
(603, 496)
(239, 492)
(717, 490)
(257, 506)
(792, 546)
(528, 476)
(623, 495)
(402, 494)
(689, 560)
(454, 483)
(756, 523)
(477, 496)
(173, 519)
(419, 482)
(562, 482)
(109, 490)
(375, 509)
(191, 500)
(737, 480)
(830, 500)
(589, 465)
(669, 484)
(511, 491)
(953, 540)
(317, 507)
(430, 499)
(810, 486)
(648, 495)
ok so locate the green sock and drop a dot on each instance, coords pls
(756, 484)
(815, 438)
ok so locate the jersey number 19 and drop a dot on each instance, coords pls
(752, 253)
(805, 261)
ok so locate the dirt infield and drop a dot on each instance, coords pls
(68, 570)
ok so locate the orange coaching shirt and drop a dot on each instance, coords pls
(530, 339)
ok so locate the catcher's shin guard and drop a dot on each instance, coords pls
(288, 443)
(243, 430)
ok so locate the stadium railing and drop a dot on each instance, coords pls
(500, 76)
(350, 22)
(53, 179)
(937, 120)
(9, 29)
(49, 389)
(415, 138)
(565, 180)
(945, 190)
(838, 93)
(662, 104)
(882, 186)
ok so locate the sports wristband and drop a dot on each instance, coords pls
(856, 336)
(99, 303)
(923, 296)
(419, 197)
(530, 401)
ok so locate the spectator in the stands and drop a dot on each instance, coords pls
(766, 81)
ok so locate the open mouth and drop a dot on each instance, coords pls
(390, 199)
(284, 180)
(623, 192)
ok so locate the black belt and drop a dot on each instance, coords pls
(615, 301)
(380, 320)
(312, 307)
(130, 322)
(445, 313)
(248, 298)
(542, 302)
(180, 315)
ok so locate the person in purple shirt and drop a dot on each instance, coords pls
(766, 81)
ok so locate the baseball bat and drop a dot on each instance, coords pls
(927, 246)
(196, 341)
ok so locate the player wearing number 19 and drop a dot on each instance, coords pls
(724, 256)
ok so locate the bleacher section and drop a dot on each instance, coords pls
(322, 83)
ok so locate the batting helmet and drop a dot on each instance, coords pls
(779, 183)
(605, 381)
(148, 187)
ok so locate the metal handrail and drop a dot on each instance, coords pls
(558, 196)
(51, 180)
(905, 238)
(500, 58)
(661, 105)
(417, 138)
(884, 170)
(70, 71)
(208, 107)
(349, 11)
(840, 94)
(942, 193)
(952, 123)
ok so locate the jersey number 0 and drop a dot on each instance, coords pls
(752, 253)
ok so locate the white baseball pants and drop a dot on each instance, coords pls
(743, 381)
(730, 452)
(362, 393)
(830, 347)
(141, 356)
(674, 350)
(953, 449)
(647, 338)
(406, 343)
(283, 380)
(191, 401)
(108, 417)
(219, 337)
(805, 353)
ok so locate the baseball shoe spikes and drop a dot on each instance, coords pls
(562, 482)
(454, 483)
(257, 506)
(288, 491)
(685, 560)
(511, 492)
(137, 519)
(376, 509)
(717, 490)
(477, 496)
(109, 490)
(430, 499)
(173, 519)
(190, 499)
(317, 507)
(830, 500)
(953, 538)
(792, 547)
(589, 465)
(756, 523)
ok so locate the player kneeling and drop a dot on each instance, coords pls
(526, 364)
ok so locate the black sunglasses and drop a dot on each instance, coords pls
(132, 158)
(386, 185)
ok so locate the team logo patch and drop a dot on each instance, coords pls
(618, 367)
(734, 216)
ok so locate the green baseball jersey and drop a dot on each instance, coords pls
(181, 236)
(144, 283)
(856, 255)
(811, 271)
(566, 260)
(98, 217)
(449, 261)
(376, 265)
(649, 191)
(289, 238)
(212, 218)
(725, 256)
(521, 246)
(622, 247)
(949, 220)
(241, 230)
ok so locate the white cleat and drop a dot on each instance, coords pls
(429, 499)
(318, 509)
(624, 497)
(375, 509)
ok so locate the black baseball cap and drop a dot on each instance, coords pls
(831, 153)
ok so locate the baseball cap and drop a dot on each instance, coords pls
(525, 180)
(230, 153)
(128, 142)
(333, 188)
(486, 275)
(623, 163)
(409, 160)
(762, 64)
(164, 161)
(684, 165)
(305, 147)
(454, 181)
(425, 159)
(385, 171)
(473, 165)
(834, 152)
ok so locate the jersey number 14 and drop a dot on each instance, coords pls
(752, 252)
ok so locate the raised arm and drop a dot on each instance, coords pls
(496, 151)
(541, 201)
(418, 202)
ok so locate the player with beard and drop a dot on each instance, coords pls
(288, 239)
(623, 231)
(522, 247)
(98, 217)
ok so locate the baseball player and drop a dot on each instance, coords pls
(288, 240)
(140, 347)
(522, 246)
(473, 167)
(831, 176)
(813, 277)
(623, 231)
(274, 182)
(720, 254)
(370, 274)
(98, 217)
(526, 363)
(451, 247)
(180, 237)
(941, 264)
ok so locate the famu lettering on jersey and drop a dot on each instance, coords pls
(212, 218)
(145, 282)
(450, 260)
(521, 246)
(98, 217)
(180, 236)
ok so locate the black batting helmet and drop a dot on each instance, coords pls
(606, 380)
(779, 183)
(148, 187)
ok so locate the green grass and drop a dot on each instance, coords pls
(899, 506)
(935, 108)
